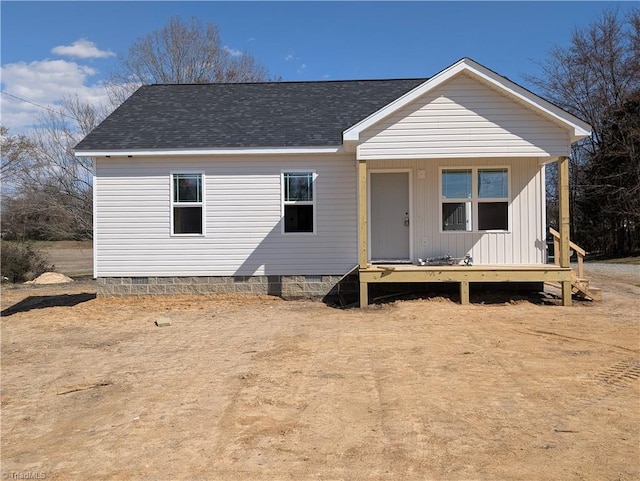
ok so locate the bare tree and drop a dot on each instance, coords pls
(598, 70)
(182, 52)
(14, 150)
(612, 196)
(47, 192)
(591, 78)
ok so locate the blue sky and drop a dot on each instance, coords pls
(53, 49)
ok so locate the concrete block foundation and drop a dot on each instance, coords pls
(288, 287)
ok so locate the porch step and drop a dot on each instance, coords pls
(595, 293)
(580, 288)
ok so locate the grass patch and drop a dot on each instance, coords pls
(64, 244)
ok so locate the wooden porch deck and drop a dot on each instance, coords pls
(464, 275)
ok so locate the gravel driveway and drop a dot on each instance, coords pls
(610, 268)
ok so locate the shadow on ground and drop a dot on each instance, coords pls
(495, 298)
(480, 293)
(42, 302)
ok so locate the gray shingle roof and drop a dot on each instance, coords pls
(279, 114)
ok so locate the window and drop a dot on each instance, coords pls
(186, 204)
(298, 202)
(475, 199)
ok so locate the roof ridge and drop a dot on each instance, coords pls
(289, 82)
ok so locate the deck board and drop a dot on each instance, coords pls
(459, 273)
(462, 274)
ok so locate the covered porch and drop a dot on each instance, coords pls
(381, 272)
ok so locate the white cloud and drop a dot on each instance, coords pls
(82, 48)
(232, 51)
(292, 57)
(44, 82)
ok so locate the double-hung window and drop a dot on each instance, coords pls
(298, 202)
(187, 204)
(475, 199)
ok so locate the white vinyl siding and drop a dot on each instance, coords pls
(463, 118)
(242, 218)
(524, 243)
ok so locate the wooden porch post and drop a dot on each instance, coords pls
(464, 292)
(563, 224)
(362, 228)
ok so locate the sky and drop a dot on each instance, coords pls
(55, 49)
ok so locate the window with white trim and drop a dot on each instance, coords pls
(186, 204)
(298, 202)
(475, 199)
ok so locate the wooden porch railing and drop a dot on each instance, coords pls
(556, 249)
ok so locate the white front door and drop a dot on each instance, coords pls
(389, 216)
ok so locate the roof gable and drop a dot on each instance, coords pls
(463, 118)
(578, 128)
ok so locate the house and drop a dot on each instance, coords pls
(286, 188)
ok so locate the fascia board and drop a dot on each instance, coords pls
(211, 152)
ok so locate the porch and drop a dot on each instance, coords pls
(464, 275)
(370, 272)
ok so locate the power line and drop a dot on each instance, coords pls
(38, 105)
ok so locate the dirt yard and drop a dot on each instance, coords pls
(264, 389)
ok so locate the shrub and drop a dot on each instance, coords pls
(21, 261)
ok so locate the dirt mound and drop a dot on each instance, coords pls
(50, 278)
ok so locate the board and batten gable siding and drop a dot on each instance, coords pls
(523, 244)
(463, 118)
(243, 223)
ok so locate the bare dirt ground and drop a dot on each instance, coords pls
(240, 388)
